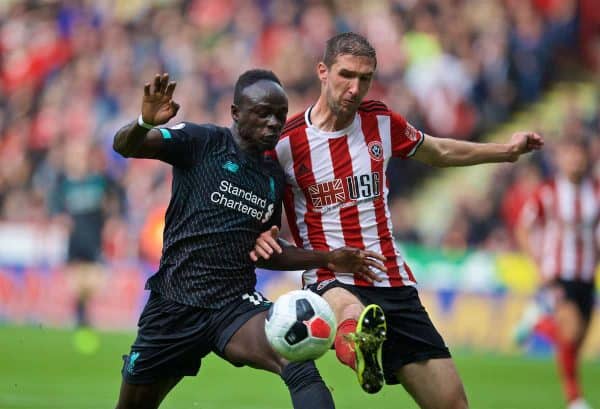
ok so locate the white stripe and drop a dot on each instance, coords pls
(284, 156)
(590, 209)
(566, 201)
(550, 232)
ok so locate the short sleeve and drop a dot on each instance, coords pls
(184, 144)
(406, 139)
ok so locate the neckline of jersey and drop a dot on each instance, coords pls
(331, 134)
(240, 153)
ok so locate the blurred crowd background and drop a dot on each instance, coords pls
(72, 73)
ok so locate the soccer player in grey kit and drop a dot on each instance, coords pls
(225, 192)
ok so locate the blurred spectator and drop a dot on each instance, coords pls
(454, 67)
(82, 198)
(558, 228)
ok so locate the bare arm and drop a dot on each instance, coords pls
(273, 253)
(443, 152)
(158, 108)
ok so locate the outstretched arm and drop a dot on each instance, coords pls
(273, 253)
(443, 152)
(158, 107)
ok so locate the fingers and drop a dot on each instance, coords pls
(261, 252)
(147, 89)
(534, 141)
(253, 256)
(373, 254)
(170, 88)
(369, 275)
(274, 230)
(157, 83)
(375, 264)
(162, 85)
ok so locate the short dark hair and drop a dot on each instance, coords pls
(348, 43)
(250, 77)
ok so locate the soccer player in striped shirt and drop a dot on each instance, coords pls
(334, 155)
(225, 193)
(563, 217)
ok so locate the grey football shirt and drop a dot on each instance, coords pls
(221, 200)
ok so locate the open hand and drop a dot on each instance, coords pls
(353, 261)
(158, 106)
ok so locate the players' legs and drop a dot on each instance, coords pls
(249, 346)
(359, 338)
(571, 329)
(145, 396)
(434, 384)
(344, 304)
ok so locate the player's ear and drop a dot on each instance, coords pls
(322, 71)
(235, 112)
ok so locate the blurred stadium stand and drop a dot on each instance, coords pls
(71, 73)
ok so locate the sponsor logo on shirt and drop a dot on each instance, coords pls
(345, 192)
(244, 201)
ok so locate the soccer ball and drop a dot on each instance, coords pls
(300, 326)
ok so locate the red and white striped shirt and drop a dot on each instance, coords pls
(337, 189)
(568, 217)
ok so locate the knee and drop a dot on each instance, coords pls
(344, 304)
(351, 311)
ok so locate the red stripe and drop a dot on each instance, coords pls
(367, 105)
(301, 155)
(557, 217)
(291, 125)
(409, 272)
(342, 168)
(371, 133)
(578, 234)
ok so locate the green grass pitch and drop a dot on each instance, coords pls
(40, 369)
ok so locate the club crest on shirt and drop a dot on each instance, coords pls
(375, 150)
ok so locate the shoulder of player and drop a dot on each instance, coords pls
(293, 124)
(201, 130)
(373, 107)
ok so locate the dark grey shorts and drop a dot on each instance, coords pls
(411, 336)
(173, 338)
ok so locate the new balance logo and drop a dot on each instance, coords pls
(256, 298)
(230, 166)
(303, 170)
